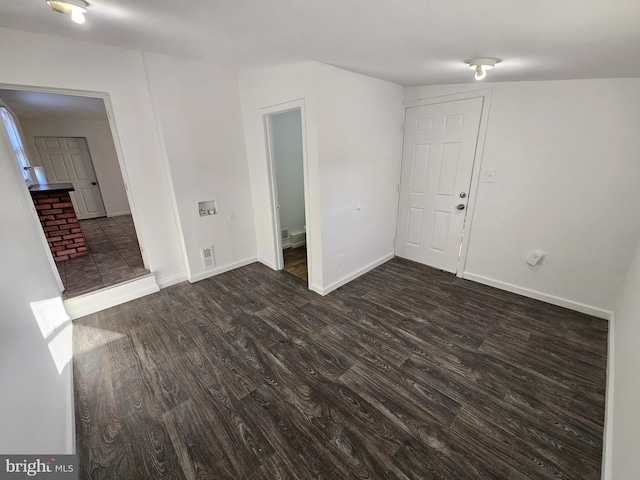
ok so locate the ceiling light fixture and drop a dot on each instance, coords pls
(482, 65)
(73, 8)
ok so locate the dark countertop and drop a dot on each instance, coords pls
(51, 187)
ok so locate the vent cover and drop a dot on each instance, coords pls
(208, 260)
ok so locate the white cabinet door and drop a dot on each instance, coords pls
(437, 163)
(68, 160)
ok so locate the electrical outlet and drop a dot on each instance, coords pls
(534, 258)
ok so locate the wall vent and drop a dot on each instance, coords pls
(208, 260)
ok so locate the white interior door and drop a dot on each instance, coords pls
(437, 164)
(68, 160)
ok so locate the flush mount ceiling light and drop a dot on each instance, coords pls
(73, 8)
(482, 65)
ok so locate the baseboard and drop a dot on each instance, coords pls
(607, 444)
(70, 414)
(299, 244)
(267, 263)
(543, 297)
(168, 280)
(343, 281)
(222, 269)
(110, 297)
(118, 214)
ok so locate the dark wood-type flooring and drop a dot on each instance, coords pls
(404, 373)
(295, 262)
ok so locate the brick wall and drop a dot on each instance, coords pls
(60, 224)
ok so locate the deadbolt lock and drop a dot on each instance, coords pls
(463, 194)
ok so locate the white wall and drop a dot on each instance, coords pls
(286, 132)
(360, 142)
(353, 143)
(566, 160)
(36, 399)
(198, 112)
(626, 405)
(101, 147)
(30, 59)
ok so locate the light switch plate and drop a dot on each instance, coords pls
(490, 175)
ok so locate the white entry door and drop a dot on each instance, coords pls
(68, 160)
(437, 163)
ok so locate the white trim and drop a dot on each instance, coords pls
(607, 446)
(110, 297)
(168, 280)
(71, 411)
(485, 94)
(223, 269)
(266, 112)
(118, 214)
(343, 281)
(266, 263)
(544, 297)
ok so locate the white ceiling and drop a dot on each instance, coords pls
(411, 42)
(29, 104)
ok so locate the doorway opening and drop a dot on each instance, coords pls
(287, 161)
(78, 190)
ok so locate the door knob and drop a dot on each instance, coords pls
(460, 207)
(463, 194)
(93, 183)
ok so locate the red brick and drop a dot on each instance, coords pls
(76, 230)
(74, 235)
(51, 229)
(68, 251)
(63, 205)
(61, 258)
(79, 240)
(44, 218)
(43, 207)
(56, 222)
(69, 210)
(62, 242)
(52, 211)
(79, 254)
(57, 249)
(66, 215)
(81, 249)
(73, 224)
(47, 200)
(54, 239)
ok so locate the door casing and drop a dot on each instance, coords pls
(477, 166)
(267, 112)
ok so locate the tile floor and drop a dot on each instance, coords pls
(114, 257)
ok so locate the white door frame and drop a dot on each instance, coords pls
(485, 94)
(123, 170)
(267, 112)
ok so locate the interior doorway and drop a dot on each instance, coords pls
(287, 162)
(69, 141)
